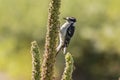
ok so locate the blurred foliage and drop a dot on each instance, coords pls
(95, 45)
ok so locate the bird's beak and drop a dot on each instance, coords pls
(64, 18)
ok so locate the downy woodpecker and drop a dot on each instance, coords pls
(65, 34)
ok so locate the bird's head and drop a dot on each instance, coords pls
(70, 19)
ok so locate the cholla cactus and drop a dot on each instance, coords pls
(35, 61)
(67, 74)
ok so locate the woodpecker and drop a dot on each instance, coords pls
(65, 34)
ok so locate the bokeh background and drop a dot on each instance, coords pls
(95, 45)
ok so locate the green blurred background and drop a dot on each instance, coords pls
(95, 45)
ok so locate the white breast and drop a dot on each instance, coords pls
(63, 30)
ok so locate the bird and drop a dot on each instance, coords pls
(65, 34)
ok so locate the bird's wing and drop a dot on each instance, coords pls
(70, 31)
(69, 34)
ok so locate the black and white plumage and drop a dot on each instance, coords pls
(65, 34)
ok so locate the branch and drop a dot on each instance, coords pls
(35, 61)
(51, 41)
(67, 74)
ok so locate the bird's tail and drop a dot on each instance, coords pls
(61, 47)
(64, 50)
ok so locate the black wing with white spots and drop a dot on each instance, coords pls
(69, 34)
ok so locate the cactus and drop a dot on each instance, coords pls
(67, 74)
(47, 72)
(35, 61)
